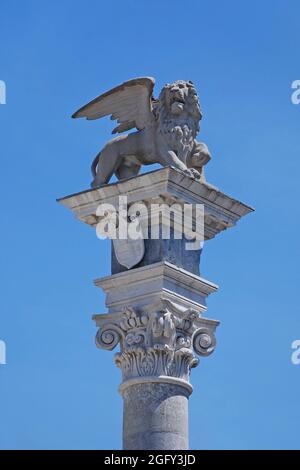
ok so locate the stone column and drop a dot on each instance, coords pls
(156, 300)
(149, 421)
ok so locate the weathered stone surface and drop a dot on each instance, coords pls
(155, 417)
(150, 286)
(164, 185)
(172, 250)
(157, 345)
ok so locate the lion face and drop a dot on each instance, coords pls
(179, 97)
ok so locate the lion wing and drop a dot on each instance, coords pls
(129, 103)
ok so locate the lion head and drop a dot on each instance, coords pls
(180, 97)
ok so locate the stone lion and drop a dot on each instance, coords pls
(166, 129)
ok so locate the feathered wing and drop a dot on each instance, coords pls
(129, 104)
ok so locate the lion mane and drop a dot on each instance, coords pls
(179, 132)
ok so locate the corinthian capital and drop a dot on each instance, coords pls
(154, 344)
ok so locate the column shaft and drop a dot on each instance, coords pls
(155, 417)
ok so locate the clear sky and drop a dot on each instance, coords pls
(57, 390)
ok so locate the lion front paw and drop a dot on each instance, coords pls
(192, 173)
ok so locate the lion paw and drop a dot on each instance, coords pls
(193, 173)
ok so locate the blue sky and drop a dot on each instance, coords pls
(57, 390)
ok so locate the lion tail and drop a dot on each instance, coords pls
(94, 166)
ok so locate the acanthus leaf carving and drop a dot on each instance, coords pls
(159, 343)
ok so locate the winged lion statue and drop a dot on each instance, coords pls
(166, 129)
